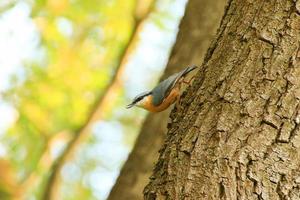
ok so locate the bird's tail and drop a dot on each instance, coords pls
(188, 70)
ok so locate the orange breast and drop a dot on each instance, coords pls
(171, 98)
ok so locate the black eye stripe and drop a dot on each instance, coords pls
(137, 99)
(140, 98)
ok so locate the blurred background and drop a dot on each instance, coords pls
(67, 70)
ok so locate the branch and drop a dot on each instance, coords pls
(97, 111)
(46, 161)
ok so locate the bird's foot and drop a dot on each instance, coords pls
(189, 82)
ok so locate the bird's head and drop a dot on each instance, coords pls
(139, 100)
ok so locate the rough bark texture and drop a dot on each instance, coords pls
(200, 29)
(238, 134)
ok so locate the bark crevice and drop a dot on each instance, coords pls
(238, 137)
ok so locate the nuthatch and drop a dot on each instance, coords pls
(163, 95)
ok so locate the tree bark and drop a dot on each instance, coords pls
(137, 169)
(237, 135)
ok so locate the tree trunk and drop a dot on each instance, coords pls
(237, 135)
(137, 169)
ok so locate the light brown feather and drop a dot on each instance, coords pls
(169, 100)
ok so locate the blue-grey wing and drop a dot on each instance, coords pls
(163, 89)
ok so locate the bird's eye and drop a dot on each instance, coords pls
(138, 99)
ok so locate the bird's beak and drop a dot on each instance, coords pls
(129, 105)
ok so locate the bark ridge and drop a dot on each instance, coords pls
(238, 136)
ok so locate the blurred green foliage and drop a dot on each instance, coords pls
(81, 42)
(81, 45)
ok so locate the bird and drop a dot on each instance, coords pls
(164, 94)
